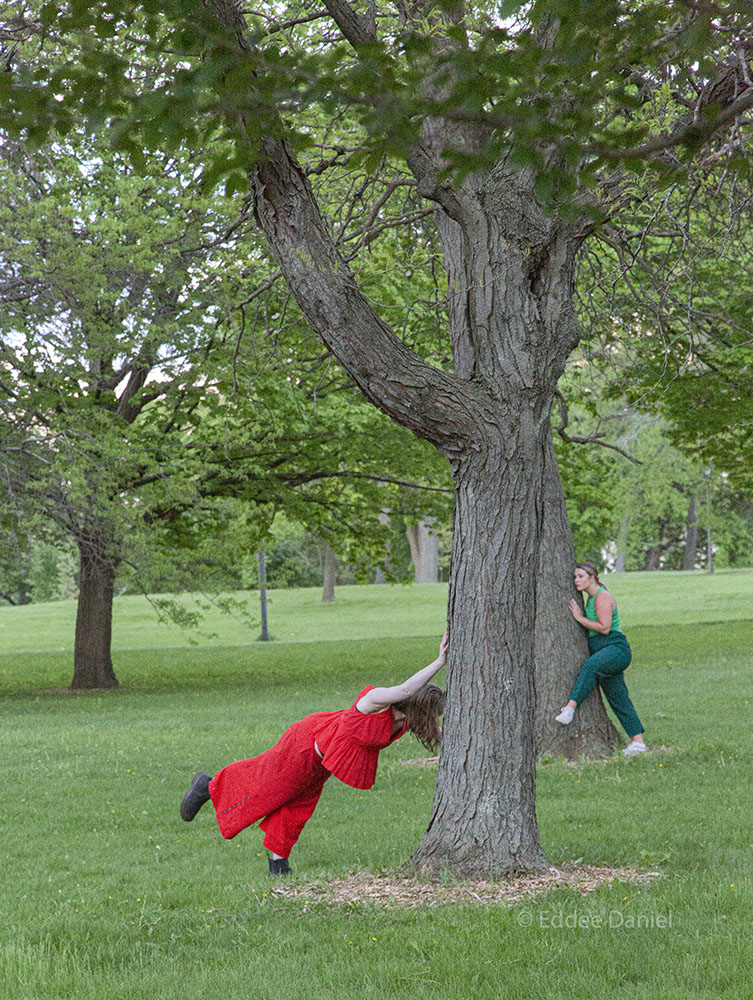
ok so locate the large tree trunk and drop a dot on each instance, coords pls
(424, 551)
(484, 818)
(560, 642)
(92, 658)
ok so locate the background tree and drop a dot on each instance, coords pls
(105, 310)
(122, 392)
(667, 284)
(15, 562)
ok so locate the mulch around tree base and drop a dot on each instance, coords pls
(396, 891)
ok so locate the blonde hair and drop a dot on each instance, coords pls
(422, 711)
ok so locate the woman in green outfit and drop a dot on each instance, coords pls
(610, 656)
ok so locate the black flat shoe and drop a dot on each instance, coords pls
(196, 796)
(279, 866)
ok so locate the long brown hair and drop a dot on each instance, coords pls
(422, 711)
(591, 570)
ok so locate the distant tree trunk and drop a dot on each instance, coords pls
(17, 566)
(691, 536)
(411, 533)
(381, 577)
(560, 643)
(92, 657)
(262, 574)
(652, 558)
(424, 551)
(709, 545)
(622, 540)
(331, 572)
(23, 587)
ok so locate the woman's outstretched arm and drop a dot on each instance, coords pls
(380, 698)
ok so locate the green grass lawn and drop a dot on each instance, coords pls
(108, 894)
(364, 613)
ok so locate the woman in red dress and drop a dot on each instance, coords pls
(281, 786)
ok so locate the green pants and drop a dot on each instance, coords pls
(610, 656)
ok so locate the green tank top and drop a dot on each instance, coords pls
(592, 616)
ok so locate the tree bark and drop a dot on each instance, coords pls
(380, 575)
(484, 818)
(620, 565)
(652, 558)
(92, 658)
(411, 533)
(691, 536)
(261, 561)
(424, 551)
(560, 642)
(331, 569)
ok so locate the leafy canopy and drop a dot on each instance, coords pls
(562, 86)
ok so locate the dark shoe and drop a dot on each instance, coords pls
(196, 796)
(279, 866)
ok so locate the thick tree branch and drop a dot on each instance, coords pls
(389, 374)
(136, 382)
(423, 398)
(356, 29)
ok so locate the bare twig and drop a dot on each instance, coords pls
(595, 438)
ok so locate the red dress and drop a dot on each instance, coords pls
(282, 786)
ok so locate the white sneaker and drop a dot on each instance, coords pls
(634, 747)
(566, 716)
